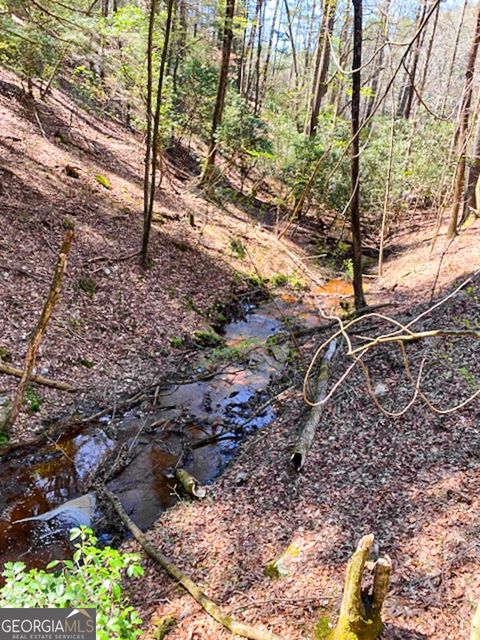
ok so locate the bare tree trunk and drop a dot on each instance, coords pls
(308, 430)
(470, 203)
(454, 57)
(222, 89)
(250, 48)
(462, 130)
(154, 147)
(47, 382)
(360, 612)
(39, 331)
(423, 81)
(148, 137)
(269, 53)
(408, 93)
(377, 72)
(322, 63)
(355, 155)
(259, 55)
(292, 43)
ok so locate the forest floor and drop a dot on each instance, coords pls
(116, 327)
(413, 481)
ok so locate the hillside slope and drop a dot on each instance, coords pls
(113, 327)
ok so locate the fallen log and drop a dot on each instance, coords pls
(46, 382)
(360, 611)
(235, 627)
(307, 432)
(190, 485)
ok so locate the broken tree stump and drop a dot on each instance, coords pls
(475, 633)
(360, 611)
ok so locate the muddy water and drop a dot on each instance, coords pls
(155, 435)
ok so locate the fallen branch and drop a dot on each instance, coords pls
(237, 628)
(190, 485)
(307, 432)
(39, 331)
(46, 382)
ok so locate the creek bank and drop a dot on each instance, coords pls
(197, 425)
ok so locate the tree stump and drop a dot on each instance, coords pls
(360, 611)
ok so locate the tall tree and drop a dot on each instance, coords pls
(355, 155)
(154, 129)
(454, 57)
(408, 93)
(322, 63)
(461, 134)
(382, 34)
(222, 89)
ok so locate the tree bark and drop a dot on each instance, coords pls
(462, 130)
(269, 54)
(355, 155)
(322, 63)
(360, 611)
(408, 93)
(235, 627)
(152, 146)
(46, 382)
(222, 90)
(190, 485)
(471, 202)
(454, 58)
(39, 331)
(307, 433)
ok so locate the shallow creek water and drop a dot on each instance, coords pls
(33, 483)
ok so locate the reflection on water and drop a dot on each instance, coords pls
(36, 482)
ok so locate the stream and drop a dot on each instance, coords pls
(57, 475)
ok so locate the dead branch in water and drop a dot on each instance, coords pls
(39, 331)
(235, 627)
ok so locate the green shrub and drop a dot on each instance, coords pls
(32, 400)
(92, 578)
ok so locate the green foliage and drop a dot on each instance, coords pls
(5, 354)
(237, 248)
(103, 181)
(241, 132)
(348, 268)
(177, 342)
(32, 400)
(88, 285)
(207, 338)
(196, 93)
(85, 362)
(234, 353)
(92, 578)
